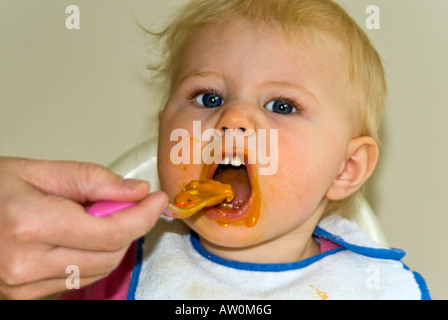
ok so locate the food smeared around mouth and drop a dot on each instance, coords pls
(244, 209)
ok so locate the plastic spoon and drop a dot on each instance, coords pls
(195, 196)
(105, 208)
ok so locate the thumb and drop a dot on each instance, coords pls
(82, 181)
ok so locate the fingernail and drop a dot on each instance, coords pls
(133, 183)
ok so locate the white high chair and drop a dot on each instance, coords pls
(141, 162)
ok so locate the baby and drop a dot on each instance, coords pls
(306, 74)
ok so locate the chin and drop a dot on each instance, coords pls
(230, 235)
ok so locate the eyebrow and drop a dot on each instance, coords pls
(196, 73)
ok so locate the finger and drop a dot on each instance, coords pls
(68, 224)
(78, 181)
(41, 288)
(55, 262)
(61, 266)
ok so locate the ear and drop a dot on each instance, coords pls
(360, 161)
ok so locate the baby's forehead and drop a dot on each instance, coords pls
(316, 50)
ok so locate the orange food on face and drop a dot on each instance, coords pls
(224, 193)
(203, 190)
(246, 204)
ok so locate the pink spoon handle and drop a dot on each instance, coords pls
(105, 208)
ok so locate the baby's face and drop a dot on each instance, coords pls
(235, 76)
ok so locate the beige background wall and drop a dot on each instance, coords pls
(83, 95)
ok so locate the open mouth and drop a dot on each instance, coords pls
(235, 170)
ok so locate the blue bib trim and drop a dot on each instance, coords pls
(247, 266)
(380, 253)
(137, 268)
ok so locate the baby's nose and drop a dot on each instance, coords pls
(237, 117)
(240, 128)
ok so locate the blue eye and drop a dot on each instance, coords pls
(209, 100)
(280, 106)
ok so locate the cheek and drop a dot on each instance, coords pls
(307, 167)
(172, 176)
(174, 170)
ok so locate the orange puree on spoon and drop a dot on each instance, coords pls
(199, 194)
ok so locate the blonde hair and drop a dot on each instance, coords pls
(297, 18)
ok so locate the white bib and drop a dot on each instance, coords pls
(173, 265)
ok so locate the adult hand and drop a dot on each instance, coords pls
(44, 226)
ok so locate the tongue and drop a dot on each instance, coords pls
(236, 177)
